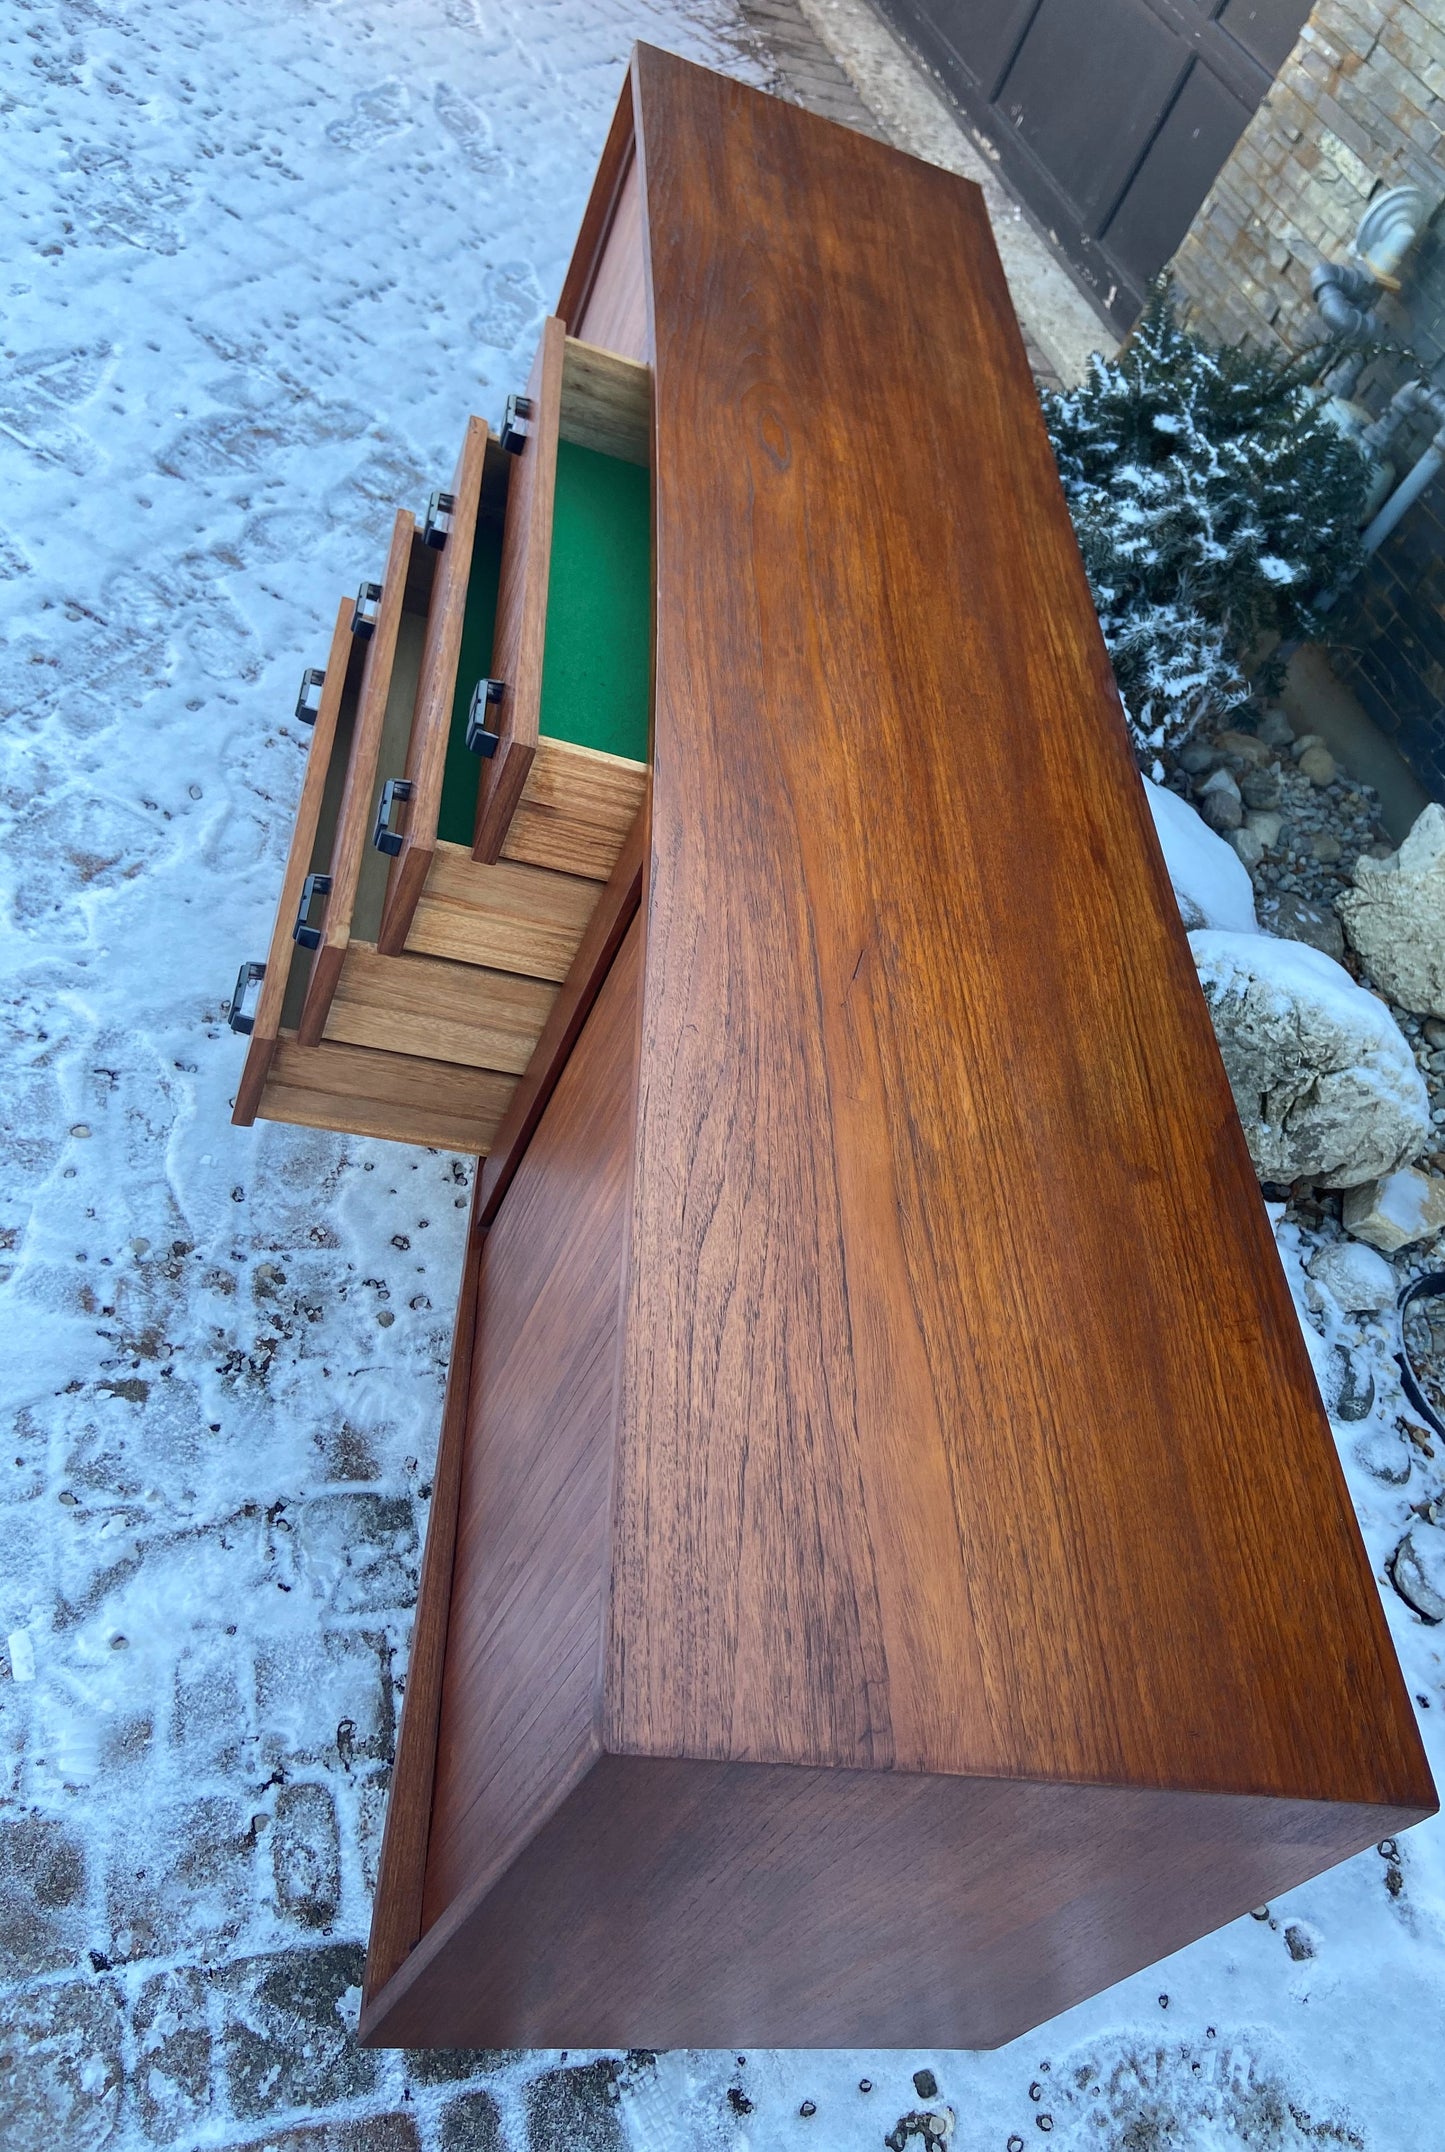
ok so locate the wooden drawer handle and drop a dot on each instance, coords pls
(248, 979)
(384, 836)
(304, 931)
(308, 702)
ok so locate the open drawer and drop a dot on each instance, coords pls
(558, 621)
(410, 1048)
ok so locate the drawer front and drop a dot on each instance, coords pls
(424, 768)
(309, 853)
(439, 1011)
(376, 712)
(576, 809)
(506, 917)
(521, 624)
(399, 1097)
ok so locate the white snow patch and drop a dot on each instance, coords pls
(1209, 879)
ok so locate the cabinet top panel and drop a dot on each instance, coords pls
(965, 1420)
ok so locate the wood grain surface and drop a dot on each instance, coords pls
(508, 917)
(401, 1870)
(957, 1604)
(967, 1424)
(576, 809)
(606, 402)
(427, 753)
(521, 626)
(614, 311)
(669, 1901)
(424, 1006)
(401, 1097)
(615, 911)
(613, 170)
(353, 822)
(267, 1023)
(518, 1723)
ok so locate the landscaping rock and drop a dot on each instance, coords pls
(1384, 1454)
(1219, 801)
(1350, 1393)
(1324, 1082)
(1325, 847)
(1246, 746)
(1259, 788)
(1266, 825)
(1275, 728)
(1356, 1278)
(1248, 847)
(1210, 886)
(1395, 917)
(1397, 1210)
(1319, 766)
(1417, 1570)
(1294, 918)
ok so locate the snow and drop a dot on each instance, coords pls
(1208, 877)
(1403, 1198)
(262, 261)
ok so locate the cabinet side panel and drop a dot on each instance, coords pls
(519, 1691)
(614, 314)
(671, 1903)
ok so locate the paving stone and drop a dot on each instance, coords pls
(376, 2133)
(575, 2110)
(170, 2085)
(359, 1551)
(185, 1880)
(325, 1697)
(306, 1855)
(60, 2068)
(210, 1719)
(42, 1892)
(449, 2065)
(472, 2124)
(290, 2037)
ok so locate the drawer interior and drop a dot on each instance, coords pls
(396, 732)
(597, 659)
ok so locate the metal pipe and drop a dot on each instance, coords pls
(1405, 495)
(1339, 292)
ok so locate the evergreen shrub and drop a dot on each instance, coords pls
(1213, 498)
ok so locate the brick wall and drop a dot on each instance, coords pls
(1358, 106)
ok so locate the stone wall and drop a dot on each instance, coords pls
(1358, 106)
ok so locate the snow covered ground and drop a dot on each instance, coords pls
(259, 263)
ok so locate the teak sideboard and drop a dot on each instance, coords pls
(888, 1572)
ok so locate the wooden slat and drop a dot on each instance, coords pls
(614, 315)
(396, 1096)
(606, 402)
(576, 809)
(353, 822)
(402, 1869)
(424, 1006)
(615, 163)
(616, 908)
(520, 634)
(508, 917)
(427, 753)
(298, 864)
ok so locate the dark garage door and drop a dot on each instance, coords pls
(1110, 117)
